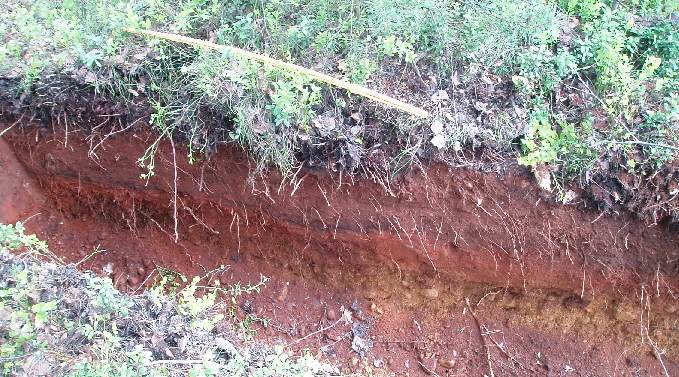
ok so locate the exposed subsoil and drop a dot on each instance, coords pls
(449, 270)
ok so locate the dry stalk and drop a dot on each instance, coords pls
(353, 88)
(174, 213)
(314, 333)
(644, 329)
(425, 248)
(360, 226)
(93, 149)
(393, 226)
(157, 224)
(438, 234)
(323, 192)
(190, 211)
(334, 236)
(143, 282)
(319, 216)
(65, 134)
(179, 362)
(430, 372)
(297, 184)
(483, 339)
(404, 231)
(508, 355)
(342, 318)
(12, 126)
(236, 216)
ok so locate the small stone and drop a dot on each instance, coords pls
(354, 362)
(108, 269)
(333, 336)
(141, 271)
(430, 293)
(371, 293)
(102, 235)
(625, 316)
(133, 281)
(331, 314)
(625, 312)
(283, 294)
(131, 268)
(92, 238)
(446, 363)
(510, 303)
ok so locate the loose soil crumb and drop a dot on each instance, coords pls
(447, 271)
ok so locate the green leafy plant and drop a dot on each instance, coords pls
(570, 145)
(392, 46)
(541, 140)
(13, 237)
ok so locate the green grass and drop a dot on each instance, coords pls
(623, 60)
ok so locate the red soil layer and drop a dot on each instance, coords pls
(416, 250)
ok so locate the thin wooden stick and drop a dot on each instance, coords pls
(368, 93)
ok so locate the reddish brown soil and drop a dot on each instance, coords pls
(555, 290)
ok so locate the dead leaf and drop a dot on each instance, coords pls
(439, 141)
(437, 127)
(35, 366)
(455, 79)
(440, 95)
(543, 176)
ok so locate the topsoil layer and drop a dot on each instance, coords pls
(464, 272)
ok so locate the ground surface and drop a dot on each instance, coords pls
(451, 271)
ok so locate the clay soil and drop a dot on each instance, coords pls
(450, 271)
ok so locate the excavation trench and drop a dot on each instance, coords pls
(588, 289)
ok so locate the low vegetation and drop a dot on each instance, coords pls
(576, 87)
(56, 320)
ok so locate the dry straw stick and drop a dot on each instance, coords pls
(292, 67)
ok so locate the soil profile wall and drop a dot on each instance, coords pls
(445, 223)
